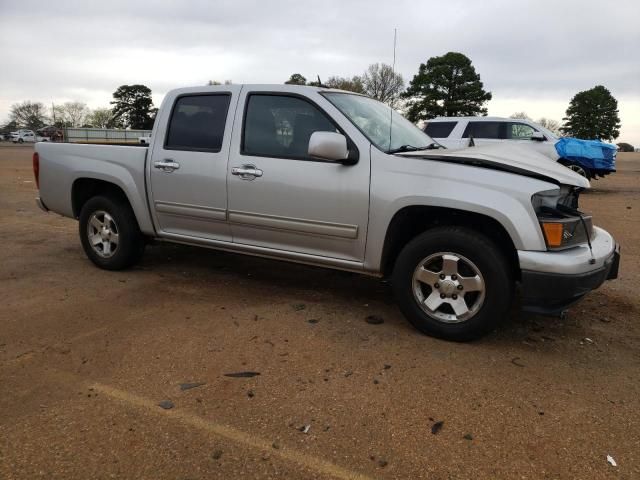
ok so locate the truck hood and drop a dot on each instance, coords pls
(517, 159)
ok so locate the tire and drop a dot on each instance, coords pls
(483, 281)
(580, 170)
(20, 140)
(122, 234)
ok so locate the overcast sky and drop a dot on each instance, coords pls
(532, 55)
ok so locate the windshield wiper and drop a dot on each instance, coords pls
(411, 148)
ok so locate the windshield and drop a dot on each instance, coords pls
(373, 119)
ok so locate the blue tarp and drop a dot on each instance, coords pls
(591, 154)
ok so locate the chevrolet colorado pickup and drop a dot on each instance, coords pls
(335, 179)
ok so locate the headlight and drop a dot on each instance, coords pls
(562, 226)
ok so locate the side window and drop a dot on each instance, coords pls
(520, 131)
(197, 123)
(280, 126)
(439, 129)
(494, 130)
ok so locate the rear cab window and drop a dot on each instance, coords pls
(197, 122)
(439, 129)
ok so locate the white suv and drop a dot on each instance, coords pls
(462, 132)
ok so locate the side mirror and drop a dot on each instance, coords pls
(328, 146)
(538, 136)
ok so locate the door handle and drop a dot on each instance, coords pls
(167, 165)
(247, 172)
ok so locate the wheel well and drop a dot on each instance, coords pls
(85, 188)
(412, 221)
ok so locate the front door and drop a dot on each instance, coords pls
(189, 165)
(281, 198)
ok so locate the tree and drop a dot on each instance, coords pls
(520, 115)
(593, 114)
(446, 86)
(31, 115)
(550, 124)
(215, 82)
(70, 114)
(625, 147)
(101, 118)
(382, 83)
(133, 106)
(352, 85)
(296, 79)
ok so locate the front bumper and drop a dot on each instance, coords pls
(560, 280)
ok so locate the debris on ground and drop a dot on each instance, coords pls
(382, 463)
(189, 386)
(305, 428)
(299, 306)
(242, 374)
(611, 461)
(166, 404)
(250, 394)
(276, 445)
(515, 361)
(468, 436)
(216, 454)
(387, 366)
(313, 320)
(436, 427)
(374, 320)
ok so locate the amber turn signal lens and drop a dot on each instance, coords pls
(553, 233)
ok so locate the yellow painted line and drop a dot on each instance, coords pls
(310, 462)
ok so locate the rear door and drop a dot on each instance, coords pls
(290, 201)
(485, 132)
(188, 164)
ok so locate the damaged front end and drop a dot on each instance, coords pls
(563, 224)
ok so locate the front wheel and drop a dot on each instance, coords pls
(579, 170)
(110, 234)
(20, 140)
(453, 283)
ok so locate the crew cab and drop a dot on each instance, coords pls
(336, 179)
(462, 132)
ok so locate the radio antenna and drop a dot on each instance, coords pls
(393, 74)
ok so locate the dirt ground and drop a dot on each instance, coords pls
(87, 355)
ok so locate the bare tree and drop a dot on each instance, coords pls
(520, 116)
(342, 83)
(28, 114)
(215, 82)
(71, 114)
(550, 124)
(101, 118)
(382, 83)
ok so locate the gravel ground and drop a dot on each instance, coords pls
(87, 357)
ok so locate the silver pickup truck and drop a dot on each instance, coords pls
(335, 179)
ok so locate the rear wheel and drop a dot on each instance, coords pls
(110, 234)
(453, 283)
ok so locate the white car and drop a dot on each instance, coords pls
(23, 135)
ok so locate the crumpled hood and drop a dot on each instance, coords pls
(516, 156)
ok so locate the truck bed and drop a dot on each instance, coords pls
(63, 164)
